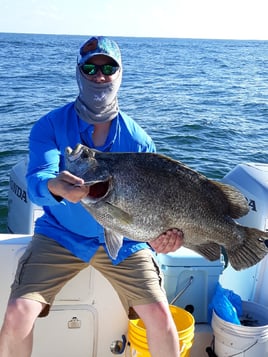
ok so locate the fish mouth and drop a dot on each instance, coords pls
(98, 190)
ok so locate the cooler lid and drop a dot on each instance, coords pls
(187, 257)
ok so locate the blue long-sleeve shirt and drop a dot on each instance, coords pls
(69, 223)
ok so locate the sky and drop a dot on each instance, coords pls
(223, 19)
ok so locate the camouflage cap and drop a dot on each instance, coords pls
(99, 45)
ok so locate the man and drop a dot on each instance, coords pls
(67, 239)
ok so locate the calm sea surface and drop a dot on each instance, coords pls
(204, 102)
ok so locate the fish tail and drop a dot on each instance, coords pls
(253, 249)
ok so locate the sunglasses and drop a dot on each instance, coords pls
(106, 69)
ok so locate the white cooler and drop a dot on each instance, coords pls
(193, 278)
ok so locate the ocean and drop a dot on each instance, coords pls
(204, 102)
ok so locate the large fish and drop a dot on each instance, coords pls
(141, 195)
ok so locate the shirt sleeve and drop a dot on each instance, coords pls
(44, 162)
(151, 146)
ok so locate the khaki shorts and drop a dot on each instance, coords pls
(46, 267)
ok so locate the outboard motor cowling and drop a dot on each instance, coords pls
(22, 213)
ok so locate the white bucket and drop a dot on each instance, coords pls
(240, 340)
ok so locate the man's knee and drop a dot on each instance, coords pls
(154, 313)
(21, 312)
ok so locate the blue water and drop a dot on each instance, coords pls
(204, 102)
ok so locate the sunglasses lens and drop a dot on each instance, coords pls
(108, 69)
(89, 69)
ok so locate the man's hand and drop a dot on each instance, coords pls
(168, 242)
(67, 186)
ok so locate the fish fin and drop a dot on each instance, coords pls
(253, 249)
(211, 251)
(119, 214)
(113, 241)
(237, 203)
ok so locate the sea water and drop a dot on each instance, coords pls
(204, 102)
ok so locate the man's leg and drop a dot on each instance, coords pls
(16, 335)
(139, 284)
(161, 332)
(42, 271)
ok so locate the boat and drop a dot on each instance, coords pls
(87, 319)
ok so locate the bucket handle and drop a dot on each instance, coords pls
(182, 347)
(248, 348)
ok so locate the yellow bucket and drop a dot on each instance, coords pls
(184, 322)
